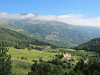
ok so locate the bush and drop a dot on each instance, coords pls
(23, 58)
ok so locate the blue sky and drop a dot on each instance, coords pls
(74, 12)
(89, 8)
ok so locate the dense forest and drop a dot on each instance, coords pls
(5, 62)
(10, 38)
(92, 45)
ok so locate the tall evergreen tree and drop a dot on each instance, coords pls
(5, 62)
(99, 52)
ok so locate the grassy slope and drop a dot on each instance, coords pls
(22, 66)
(30, 54)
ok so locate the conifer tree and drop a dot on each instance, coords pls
(5, 62)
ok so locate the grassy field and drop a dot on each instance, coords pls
(29, 55)
(22, 59)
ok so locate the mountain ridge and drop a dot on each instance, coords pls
(92, 45)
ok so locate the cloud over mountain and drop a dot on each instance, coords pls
(69, 19)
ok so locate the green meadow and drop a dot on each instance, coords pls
(22, 59)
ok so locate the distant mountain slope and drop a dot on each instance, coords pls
(12, 38)
(92, 32)
(52, 32)
(92, 45)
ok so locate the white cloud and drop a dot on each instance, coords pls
(69, 19)
(16, 16)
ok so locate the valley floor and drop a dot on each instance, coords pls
(23, 58)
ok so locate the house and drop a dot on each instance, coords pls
(67, 55)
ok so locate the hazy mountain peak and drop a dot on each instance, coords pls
(27, 13)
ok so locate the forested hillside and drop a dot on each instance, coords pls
(92, 45)
(53, 32)
(10, 38)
